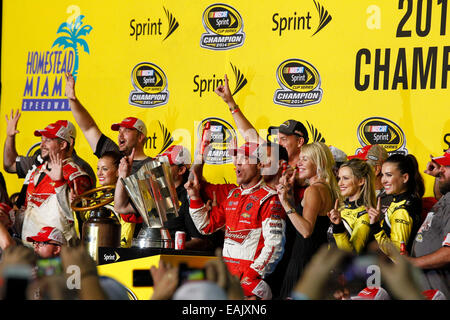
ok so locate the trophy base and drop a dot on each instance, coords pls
(153, 238)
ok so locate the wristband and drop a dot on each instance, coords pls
(234, 109)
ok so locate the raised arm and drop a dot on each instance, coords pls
(82, 117)
(244, 126)
(9, 150)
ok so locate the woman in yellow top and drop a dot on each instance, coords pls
(400, 178)
(350, 227)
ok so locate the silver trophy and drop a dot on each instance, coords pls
(154, 195)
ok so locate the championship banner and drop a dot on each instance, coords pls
(354, 72)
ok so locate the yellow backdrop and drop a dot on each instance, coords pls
(354, 72)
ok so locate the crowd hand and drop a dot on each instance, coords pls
(50, 288)
(80, 257)
(15, 255)
(70, 86)
(335, 214)
(375, 214)
(90, 285)
(193, 188)
(56, 171)
(317, 273)
(125, 165)
(165, 281)
(432, 168)
(11, 123)
(217, 272)
(401, 277)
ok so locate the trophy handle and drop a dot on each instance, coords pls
(94, 198)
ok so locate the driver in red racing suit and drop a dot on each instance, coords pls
(253, 218)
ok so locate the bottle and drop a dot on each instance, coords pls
(403, 248)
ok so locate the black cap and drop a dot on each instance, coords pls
(291, 127)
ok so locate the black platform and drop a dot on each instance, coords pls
(108, 255)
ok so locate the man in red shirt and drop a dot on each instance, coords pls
(252, 216)
(47, 200)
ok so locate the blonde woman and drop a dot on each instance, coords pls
(350, 223)
(307, 217)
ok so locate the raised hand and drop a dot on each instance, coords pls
(125, 165)
(375, 214)
(11, 123)
(432, 168)
(211, 203)
(286, 185)
(335, 214)
(70, 86)
(193, 187)
(165, 278)
(56, 171)
(224, 92)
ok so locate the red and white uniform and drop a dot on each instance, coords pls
(47, 202)
(254, 222)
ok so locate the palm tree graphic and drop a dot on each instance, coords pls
(75, 30)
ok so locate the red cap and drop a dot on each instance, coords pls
(372, 293)
(47, 234)
(176, 155)
(60, 129)
(131, 123)
(362, 154)
(249, 149)
(443, 160)
(434, 294)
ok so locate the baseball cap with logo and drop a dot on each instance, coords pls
(443, 160)
(292, 127)
(60, 129)
(131, 123)
(176, 155)
(48, 234)
(249, 149)
(374, 153)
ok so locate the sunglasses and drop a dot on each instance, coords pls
(41, 244)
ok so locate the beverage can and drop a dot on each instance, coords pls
(180, 240)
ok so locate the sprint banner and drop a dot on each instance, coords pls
(354, 72)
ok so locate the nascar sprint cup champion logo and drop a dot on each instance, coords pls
(222, 139)
(300, 84)
(382, 131)
(150, 83)
(223, 25)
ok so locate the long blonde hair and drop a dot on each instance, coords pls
(321, 156)
(362, 170)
